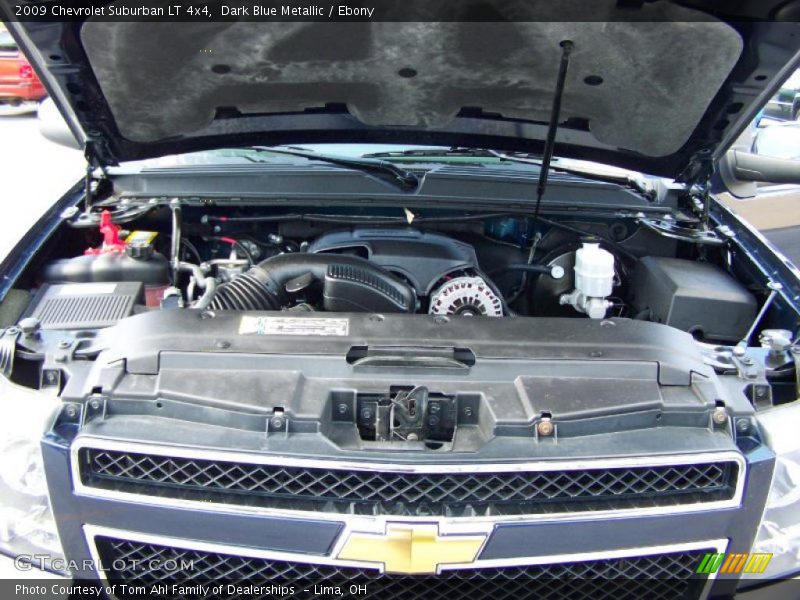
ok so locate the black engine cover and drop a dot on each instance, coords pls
(421, 258)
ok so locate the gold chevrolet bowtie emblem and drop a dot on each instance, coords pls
(407, 548)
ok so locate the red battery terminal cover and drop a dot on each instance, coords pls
(111, 239)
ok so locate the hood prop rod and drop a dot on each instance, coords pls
(92, 163)
(552, 127)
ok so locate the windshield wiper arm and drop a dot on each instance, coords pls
(638, 183)
(387, 171)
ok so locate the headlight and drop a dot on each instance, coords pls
(779, 532)
(27, 527)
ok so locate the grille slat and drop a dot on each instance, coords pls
(383, 492)
(669, 576)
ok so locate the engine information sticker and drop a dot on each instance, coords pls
(293, 326)
(87, 289)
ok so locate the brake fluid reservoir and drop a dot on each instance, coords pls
(594, 271)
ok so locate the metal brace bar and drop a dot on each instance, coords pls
(741, 348)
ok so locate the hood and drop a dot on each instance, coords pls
(657, 87)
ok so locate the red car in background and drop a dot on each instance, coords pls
(18, 82)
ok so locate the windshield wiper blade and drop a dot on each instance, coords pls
(638, 183)
(434, 153)
(385, 170)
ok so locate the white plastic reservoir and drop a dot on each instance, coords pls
(594, 271)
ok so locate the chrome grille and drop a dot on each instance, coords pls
(668, 576)
(385, 492)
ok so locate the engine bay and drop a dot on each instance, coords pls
(457, 266)
(437, 330)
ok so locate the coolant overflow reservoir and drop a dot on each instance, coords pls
(594, 271)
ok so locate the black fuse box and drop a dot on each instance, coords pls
(697, 297)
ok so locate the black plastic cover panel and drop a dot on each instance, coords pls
(421, 258)
(693, 296)
(84, 305)
(670, 355)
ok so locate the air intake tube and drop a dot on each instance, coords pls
(349, 284)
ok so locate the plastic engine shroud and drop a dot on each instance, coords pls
(421, 258)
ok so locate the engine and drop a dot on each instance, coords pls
(357, 270)
(372, 270)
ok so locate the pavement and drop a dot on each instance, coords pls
(775, 211)
(788, 240)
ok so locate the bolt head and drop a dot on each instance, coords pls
(545, 428)
(743, 425)
(30, 326)
(720, 416)
(71, 411)
(412, 437)
(63, 344)
(342, 408)
(276, 422)
(95, 404)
